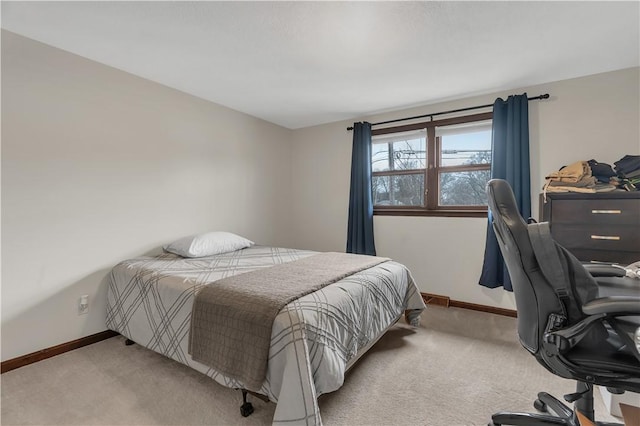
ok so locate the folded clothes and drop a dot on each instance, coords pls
(632, 174)
(600, 187)
(572, 173)
(582, 183)
(627, 164)
(549, 188)
(601, 171)
(592, 176)
(603, 187)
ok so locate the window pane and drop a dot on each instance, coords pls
(464, 188)
(469, 143)
(407, 151)
(380, 157)
(409, 154)
(399, 190)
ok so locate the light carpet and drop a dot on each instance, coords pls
(457, 369)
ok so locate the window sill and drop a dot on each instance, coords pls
(436, 213)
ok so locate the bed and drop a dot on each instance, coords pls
(315, 339)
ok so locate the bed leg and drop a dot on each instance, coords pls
(246, 408)
(129, 342)
(412, 316)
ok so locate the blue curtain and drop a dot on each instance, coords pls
(509, 161)
(360, 232)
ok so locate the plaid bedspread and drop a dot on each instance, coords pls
(314, 338)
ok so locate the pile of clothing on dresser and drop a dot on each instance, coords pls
(592, 176)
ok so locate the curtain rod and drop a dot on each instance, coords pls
(545, 96)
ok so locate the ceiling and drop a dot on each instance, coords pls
(299, 64)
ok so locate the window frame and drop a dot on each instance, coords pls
(432, 171)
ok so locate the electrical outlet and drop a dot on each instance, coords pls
(83, 304)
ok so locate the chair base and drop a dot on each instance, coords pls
(558, 413)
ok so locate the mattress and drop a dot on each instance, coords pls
(314, 339)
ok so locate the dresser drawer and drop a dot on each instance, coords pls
(603, 227)
(618, 238)
(622, 212)
(620, 257)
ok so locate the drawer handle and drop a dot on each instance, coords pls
(606, 211)
(605, 237)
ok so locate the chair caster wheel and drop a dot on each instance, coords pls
(540, 406)
(246, 409)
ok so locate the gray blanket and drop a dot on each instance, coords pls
(232, 318)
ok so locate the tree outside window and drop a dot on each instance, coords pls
(435, 168)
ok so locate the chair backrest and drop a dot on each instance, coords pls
(536, 299)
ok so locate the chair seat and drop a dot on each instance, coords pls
(605, 360)
(605, 352)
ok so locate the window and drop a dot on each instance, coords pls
(437, 168)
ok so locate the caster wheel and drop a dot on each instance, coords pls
(540, 406)
(246, 409)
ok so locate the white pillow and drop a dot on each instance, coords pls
(207, 244)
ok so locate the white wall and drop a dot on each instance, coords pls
(99, 166)
(591, 117)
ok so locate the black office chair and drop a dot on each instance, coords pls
(572, 331)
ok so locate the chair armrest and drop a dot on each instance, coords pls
(613, 305)
(604, 270)
(618, 286)
(560, 340)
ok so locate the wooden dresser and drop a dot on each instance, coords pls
(601, 227)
